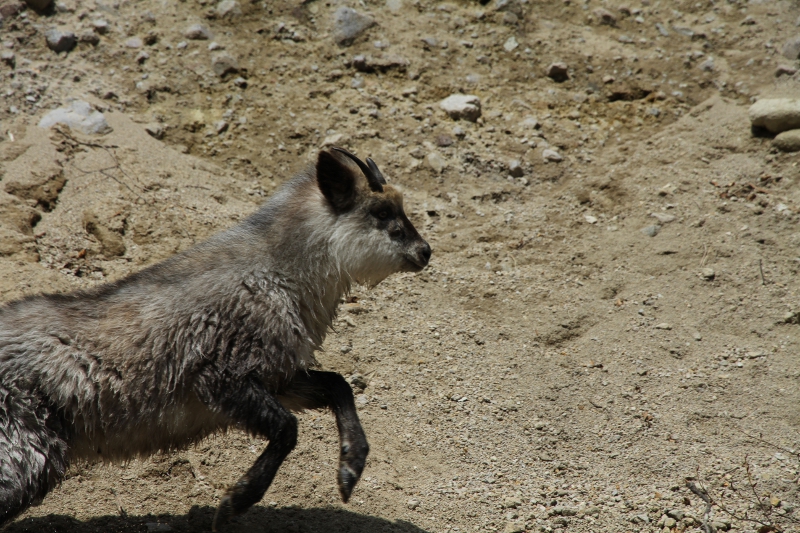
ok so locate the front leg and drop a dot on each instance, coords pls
(314, 390)
(248, 403)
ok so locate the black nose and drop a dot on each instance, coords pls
(425, 253)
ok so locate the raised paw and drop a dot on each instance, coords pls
(351, 464)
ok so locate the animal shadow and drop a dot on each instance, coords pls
(198, 520)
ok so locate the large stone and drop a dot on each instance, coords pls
(776, 114)
(791, 50)
(462, 106)
(788, 141)
(59, 40)
(348, 24)
(78, 115)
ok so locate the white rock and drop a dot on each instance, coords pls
(511, 44)
(776, 114)
(590, 219)
(664, 218)
(458, 106)
(436, 162)
(551, 155)
(79, 116)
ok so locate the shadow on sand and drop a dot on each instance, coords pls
(198, 519)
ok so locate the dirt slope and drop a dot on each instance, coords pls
(556, 367)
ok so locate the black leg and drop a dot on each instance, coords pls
(248, 402)
(314, 390)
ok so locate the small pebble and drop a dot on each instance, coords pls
(651, 231)
(511, 44)
(155, 130)
(197, 32)
(707, 274)
(558, 72)
(134, 42)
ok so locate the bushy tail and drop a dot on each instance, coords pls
(32, 451)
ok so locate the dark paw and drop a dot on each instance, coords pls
(223, 514)
(351, 464)
(236, 501)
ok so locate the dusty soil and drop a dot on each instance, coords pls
(555, 367)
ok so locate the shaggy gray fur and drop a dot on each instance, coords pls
(144, 364)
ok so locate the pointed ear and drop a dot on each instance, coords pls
(336, 181)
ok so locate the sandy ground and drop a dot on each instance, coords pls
(556, 367)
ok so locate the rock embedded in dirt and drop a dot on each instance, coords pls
(60, 40)
(228, 9)
(436, 162)
(707, 274)
(511, 44)
(462, 106)
(791, 49)
(787, 141)
(558, 72)
(604, 16)
(385, 63)
(551, 155)
(515, 168)
(78, 115)
(651, 231)
(664, 218)
(133, 42)
(223, 63)
(776, 114)
(197, 32)
(89, 37)
(785, 70)
(349, 24)
(100, 26)
(8, 58)
(155, 130)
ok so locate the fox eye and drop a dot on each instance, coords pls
(382, 215)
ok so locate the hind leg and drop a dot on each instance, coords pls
(316, 389)
(32, 451)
